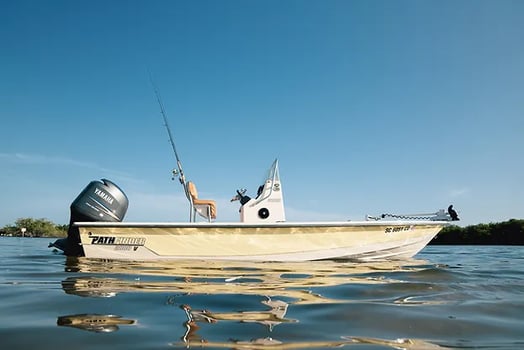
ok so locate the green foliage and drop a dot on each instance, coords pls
(503, 233)
(34, 228)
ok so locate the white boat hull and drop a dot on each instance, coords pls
(256, 242)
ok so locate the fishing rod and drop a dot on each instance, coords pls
(182, 178)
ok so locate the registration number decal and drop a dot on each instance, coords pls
(398, 229)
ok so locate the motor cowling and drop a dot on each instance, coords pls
(99, 201)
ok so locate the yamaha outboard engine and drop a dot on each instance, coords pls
(99, 201)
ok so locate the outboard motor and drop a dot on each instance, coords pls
(99, 201)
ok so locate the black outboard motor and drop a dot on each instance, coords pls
(99, 201)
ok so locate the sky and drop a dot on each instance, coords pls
(371, 107)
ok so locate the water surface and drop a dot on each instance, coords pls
(459, 297)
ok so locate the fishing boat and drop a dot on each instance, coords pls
(262, 233)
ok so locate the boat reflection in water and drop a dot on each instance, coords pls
(94, 322)
(280, 286)
(265, 343)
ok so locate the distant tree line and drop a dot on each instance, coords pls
(29, 227)
(509, 232)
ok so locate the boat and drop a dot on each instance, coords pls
(262, 233)
(97, 229)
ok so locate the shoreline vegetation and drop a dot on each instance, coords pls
(509, 232)
(29, 227)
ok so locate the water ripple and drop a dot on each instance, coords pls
(457, 297)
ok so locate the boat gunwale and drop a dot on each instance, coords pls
(286, 224)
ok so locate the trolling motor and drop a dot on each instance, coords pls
(440, 215)
(99, 201)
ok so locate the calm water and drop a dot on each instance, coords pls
(448, 297)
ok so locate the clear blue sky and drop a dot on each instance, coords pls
(370, 106)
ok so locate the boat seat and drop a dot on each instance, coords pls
(204, 207)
